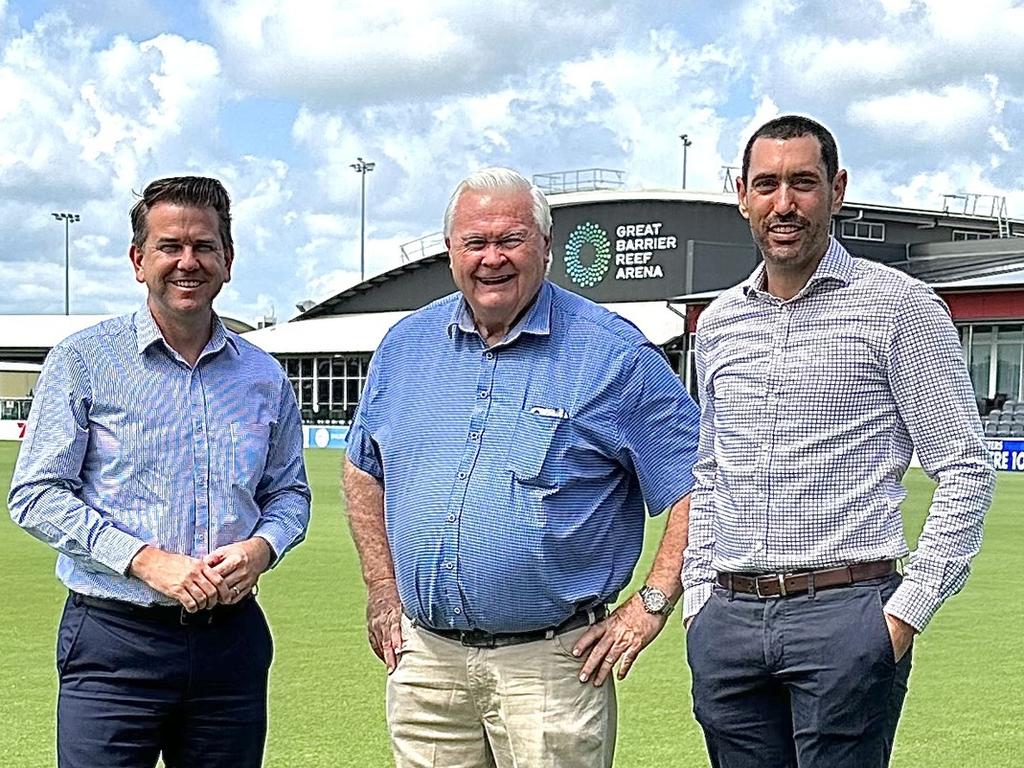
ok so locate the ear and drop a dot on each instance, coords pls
(229, 259)
(135, 254)
(838, 190)
(741, 198)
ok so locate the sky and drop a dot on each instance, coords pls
(277, 99)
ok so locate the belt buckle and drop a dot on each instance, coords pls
(780, 577)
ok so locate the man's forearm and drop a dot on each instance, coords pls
(668, 561)
(364, 500)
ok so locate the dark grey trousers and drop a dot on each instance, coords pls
(807, 681)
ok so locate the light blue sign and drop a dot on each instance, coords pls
(325, 437)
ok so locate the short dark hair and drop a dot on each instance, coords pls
(793, 127)
(191, 191)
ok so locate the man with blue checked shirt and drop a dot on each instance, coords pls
(818, 378)
(163, 460)
(497, 472)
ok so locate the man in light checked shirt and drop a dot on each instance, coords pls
(818, 377)
(163, 461)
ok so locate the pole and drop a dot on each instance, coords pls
(362, 230)
(67, 265)
(686, 144)
(362, 167)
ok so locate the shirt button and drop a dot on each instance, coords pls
(449, 566)
(451, 518)
(474, 435)
(199, 427)
(462, 475)
(483, 393)
(457, 611)
(489, 355)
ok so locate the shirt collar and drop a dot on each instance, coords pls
(537, 319)
(147, 333)
(836, 265)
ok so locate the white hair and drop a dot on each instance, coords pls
(501, 180)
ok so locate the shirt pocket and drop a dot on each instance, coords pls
(249, 446)
(531, 446)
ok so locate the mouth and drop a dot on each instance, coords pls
(495, 280)
(785, 231)
(186, 284)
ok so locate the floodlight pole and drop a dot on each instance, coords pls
(362, 167)
(686, 144)
(68, 219)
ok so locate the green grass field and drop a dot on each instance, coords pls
(965, 707)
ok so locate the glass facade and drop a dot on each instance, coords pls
(327, 386)
(994, 354)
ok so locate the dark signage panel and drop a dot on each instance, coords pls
(648, 250)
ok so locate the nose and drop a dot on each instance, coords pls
(783, 201)
(187, 260)
(493, 256)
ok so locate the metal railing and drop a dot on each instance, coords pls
(582, 180)
(428, 245)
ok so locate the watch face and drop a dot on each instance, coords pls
(654, 600)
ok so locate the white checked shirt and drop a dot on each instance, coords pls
(810, 411)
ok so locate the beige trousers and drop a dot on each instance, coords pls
(521, 706)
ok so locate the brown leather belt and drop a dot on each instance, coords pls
(784, 584)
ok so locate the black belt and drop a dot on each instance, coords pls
(784, 584)
(163, 614)
(477, 638)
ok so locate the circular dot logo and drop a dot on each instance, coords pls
(587, 275)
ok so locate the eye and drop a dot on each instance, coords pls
(168, 247)
(511, 242)
(804, 183)
(204, 248)
(474, 244)
(764, 185)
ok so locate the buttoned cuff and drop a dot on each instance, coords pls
(115, 549)
(279, 539)
(913, 604)
(694, 598)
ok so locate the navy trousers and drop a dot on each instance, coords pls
(805, 681)
(135, 688)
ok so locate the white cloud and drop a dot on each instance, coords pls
(953, 113)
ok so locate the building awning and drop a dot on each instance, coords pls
(339, 333)
(364, 332)
(655, 319)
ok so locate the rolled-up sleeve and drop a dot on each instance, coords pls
(361, 449)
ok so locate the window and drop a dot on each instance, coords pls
(960, 235)
(327, 386)
(862, 230)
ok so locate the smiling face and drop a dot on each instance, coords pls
(789, 202)
(498, 256)
(183, 263)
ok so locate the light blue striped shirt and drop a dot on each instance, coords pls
(127, 446)
(515, 476)
(810, 411)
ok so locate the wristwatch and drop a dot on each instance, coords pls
(655, 601)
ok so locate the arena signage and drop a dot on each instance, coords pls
(648, 250)
(12, 430)
(1007, 455)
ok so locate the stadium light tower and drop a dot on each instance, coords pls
(362, 167)
(686, 145)
(68, 219)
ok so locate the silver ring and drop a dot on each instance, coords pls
(235, 590)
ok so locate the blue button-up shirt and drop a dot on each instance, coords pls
(811, 410)
(127, 445)
(515, 475)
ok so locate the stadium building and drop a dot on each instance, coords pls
(658, 258)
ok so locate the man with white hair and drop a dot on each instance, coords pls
(497, 472)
